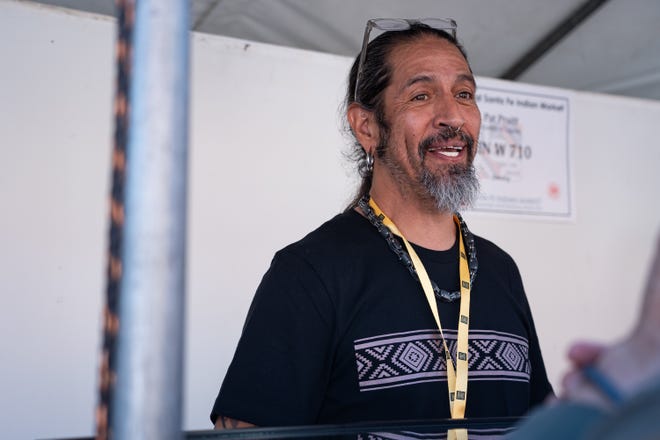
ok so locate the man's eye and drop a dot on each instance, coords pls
(420, 97)
(465, 95)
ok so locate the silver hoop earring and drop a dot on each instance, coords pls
(369, 163)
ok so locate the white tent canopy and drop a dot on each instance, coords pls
(615, 49)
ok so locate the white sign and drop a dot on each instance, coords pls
(523, 158)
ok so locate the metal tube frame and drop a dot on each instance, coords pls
(149, 392)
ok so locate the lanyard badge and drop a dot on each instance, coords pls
(456, 375)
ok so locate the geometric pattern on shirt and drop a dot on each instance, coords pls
(407, 358)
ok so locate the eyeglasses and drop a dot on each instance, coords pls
(398, 24)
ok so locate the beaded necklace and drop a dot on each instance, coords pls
(404, 257)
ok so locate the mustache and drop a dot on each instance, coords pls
(445, 134)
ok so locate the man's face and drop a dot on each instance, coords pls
(430, 96)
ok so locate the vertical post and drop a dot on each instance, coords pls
(149, 391)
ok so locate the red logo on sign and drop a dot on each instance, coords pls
(554, 191)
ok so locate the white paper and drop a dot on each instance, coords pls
(523, 158)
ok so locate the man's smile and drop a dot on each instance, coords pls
(446, 150)
(447, 145)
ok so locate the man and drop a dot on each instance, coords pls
(614, 391)
(353, 322)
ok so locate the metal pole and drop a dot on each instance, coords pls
(148, 397)
(549, 40)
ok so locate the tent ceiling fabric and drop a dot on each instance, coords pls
(615, 50)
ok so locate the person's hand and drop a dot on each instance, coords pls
(629, 364)
(584, 353)
(580, 354)
(574, 385)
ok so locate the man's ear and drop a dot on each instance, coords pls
(364, 126)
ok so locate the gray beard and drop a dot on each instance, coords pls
(453, 190)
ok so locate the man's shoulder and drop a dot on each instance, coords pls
(339, 234)
(341, 245)
(487, 250)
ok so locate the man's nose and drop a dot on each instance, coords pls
(448, 113)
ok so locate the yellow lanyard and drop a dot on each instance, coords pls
(456, 378)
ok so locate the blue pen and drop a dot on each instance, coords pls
(602, 383)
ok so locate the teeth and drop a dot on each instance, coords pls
(446, 151)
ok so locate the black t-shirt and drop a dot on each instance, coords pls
(339, 331)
